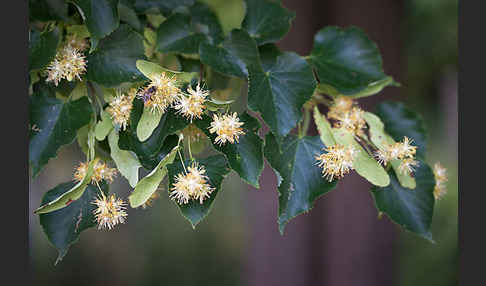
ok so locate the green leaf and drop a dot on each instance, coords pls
(114, 60)
(63, 227)
(42, 47)
(246, 156)
(70, 195)
(126, 162)
(232, 57)
(165, 6)
(381, 139)
(47, 10)
(409, 208)
(266, 21)
(104, 126)
(100, 16)
(82, 138)
(215, 104)
(216, 169)
(401, 121)
(56, 124)
(280, 89)
(363, 163)
(301, 182)
(347, 61)
(147, 124)
(148, 151)
(149, 184)
(183, 32)
(128, 15)
(150, 69)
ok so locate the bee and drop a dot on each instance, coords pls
(147, 94)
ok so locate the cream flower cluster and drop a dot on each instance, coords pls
(69, 63)
(101, 171)
(337, 161)
(192, 185)
(403, 151)
(109, 211)
(227, 127)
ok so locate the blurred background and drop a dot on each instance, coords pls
(341, 241)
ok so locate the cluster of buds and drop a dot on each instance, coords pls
(77, 43)
(161, 93)
(192, 104)
(121, 107)
(337, 161)
(402, 151)
(193, 185)
(440, 174)
(348, 115)
(101, 171)
(192, 133)
(109, 211)
(227, 127)
(69, 63)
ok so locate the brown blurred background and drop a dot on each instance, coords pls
(341, 241)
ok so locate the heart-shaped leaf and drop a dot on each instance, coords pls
(53, 124)
(183, 32)
(301, 181)
(100, 16)
(64, 226)
(245, 156)
(347, 61)
(401, 121)
(42, 47)
(266, 21)
(280, 89)
(216, 169)
(410, 208)
(113, 62)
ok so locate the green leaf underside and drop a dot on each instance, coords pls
(380, 138)
(42, 48)
(56, 125)
(148, 122)
(411, 209)
(280, 89)
(244, 157)
(165, 6)
(301, 182)
(126, 162)
(266, 21)
(150, 69)
(69, 196)
(184, 32)
(400, 121)
(216, 169)
(113, 62)
(149, 184)
(348, 61)
(100, 16)
(104, 126)
(148, 151)
(64, 226)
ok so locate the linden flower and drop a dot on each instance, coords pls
(69, 63)
(440, 174)
(341, 105)
(160, 93)
(227, 127)
(192, 185)
(76, 42)
(352, 120)
(192, 105)
(398, 150)
(120, 109)
(337, 161)
(101, 171)
(109, 212)
(193, 133)
(407, 166)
